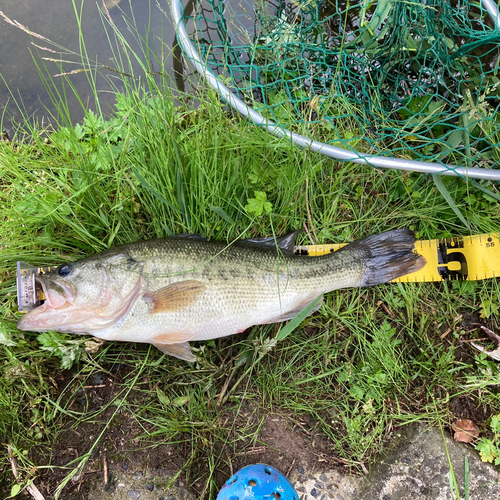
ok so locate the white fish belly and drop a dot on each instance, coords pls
(215, 314)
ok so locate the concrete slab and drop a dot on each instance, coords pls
(416, 467)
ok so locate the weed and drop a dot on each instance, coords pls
(489, 448)
(259, 204)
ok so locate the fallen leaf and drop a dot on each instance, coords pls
(465, 430)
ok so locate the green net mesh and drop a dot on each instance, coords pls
(415, 79)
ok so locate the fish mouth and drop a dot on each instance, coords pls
(57, 294)
(59, 297)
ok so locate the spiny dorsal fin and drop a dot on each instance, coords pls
(285, 242)
(175, 296)
(180, 351)
(189, 236)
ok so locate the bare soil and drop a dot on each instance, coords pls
(275, 439)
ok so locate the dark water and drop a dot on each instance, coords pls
(56, 21)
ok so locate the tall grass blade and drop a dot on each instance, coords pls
(153, 191)
(186, 216)
(466, 478)
(485, 190)
(297, 320)
(222, 213)
(447, 196)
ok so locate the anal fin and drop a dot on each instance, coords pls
(180, 351)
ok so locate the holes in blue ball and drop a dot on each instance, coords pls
(252, 482)
(268, 471)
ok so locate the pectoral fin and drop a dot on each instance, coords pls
(175, 296)
(181, 351)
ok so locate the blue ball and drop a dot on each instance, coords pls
(258, 482)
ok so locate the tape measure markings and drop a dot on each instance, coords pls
(459, 258)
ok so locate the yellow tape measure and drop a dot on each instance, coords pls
(462, 258)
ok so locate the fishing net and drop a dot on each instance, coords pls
(412, 79)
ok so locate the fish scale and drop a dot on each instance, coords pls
(174, 290)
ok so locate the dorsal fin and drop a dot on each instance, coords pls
(190, 236)
(285, 242)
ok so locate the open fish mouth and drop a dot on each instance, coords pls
(57, 294)
(57, 298)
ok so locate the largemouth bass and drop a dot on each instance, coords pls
(185, 288)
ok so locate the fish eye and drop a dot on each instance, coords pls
(64, 270)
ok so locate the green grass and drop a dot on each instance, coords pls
(163, 163)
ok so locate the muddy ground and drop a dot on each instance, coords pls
(275, 439)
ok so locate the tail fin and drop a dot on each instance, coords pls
(387, 256)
